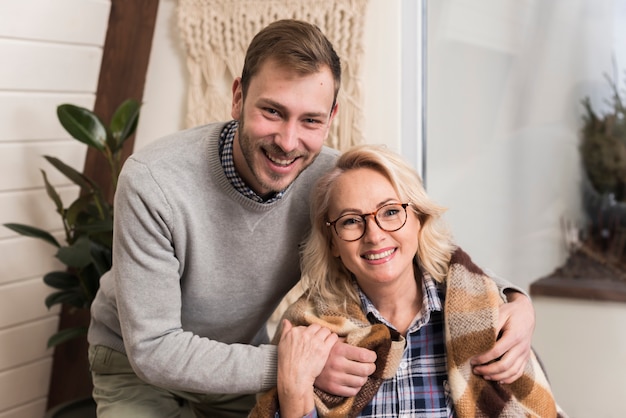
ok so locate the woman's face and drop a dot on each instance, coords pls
(378, 257)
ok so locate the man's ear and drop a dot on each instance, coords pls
(237, 102)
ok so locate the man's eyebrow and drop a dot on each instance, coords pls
(270, 103)
(281, 108)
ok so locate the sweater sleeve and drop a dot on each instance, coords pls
(504, 285)
(147, 274)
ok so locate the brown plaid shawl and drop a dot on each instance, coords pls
(471, 316)
(388, 344)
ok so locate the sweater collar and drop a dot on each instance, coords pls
(227, 139)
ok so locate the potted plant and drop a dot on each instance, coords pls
(87, 223)
(88, 220)
(603, 157)
(595, 268)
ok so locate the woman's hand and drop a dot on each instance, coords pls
(346, 370)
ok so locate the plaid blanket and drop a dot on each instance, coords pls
(387, 343)
(471, 315)
(471, 312)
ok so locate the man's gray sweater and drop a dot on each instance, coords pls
(198, 268)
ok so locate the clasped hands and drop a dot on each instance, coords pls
(341, 369)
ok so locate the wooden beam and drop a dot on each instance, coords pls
(123, 71)
(122, 76)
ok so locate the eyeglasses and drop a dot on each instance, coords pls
(351, 226)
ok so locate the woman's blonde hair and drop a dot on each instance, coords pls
(324, 274)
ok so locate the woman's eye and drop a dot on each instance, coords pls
(390, 212)
(349, 222)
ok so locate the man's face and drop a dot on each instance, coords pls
(283, 124)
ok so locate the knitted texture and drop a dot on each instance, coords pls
(388, 345)
(471, 312)
(216, 34)
(471, 316)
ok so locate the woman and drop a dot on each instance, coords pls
(381, 269)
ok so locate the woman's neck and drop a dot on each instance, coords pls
(399, 305)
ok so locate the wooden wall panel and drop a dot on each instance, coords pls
(23, 161)
(34, 376)
(49, 67)
(33, 409)
(33, 207)
(22, 302)
(51, 54)
(31, 116)
(25, 257)
(26, 343)
(73, 21)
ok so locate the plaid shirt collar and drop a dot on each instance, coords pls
(227, 139)
(420, 387)
(430, 302)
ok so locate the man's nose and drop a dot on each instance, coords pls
(287, 139)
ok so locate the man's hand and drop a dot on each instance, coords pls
(302, 353)
(506, 361)
(346, 369)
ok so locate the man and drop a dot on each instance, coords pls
(207, 227)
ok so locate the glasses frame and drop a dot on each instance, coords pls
(364, 217)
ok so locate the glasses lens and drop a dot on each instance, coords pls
(350, 227)
(391, 217)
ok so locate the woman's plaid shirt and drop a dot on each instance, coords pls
(420, 387)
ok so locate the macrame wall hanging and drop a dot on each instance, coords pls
(216, 34)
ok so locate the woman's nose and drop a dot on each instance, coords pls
(373, 232)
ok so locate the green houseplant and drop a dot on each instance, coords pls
(88, 220)
(595, 267)
(603, 157)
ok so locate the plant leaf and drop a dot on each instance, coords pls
(62, 280)
(76, 176)
(69, 296)
(105, 225)
(66, 335)
(83, 124)
(102, 259)
(52, 193)
(90, 282)
(79, 211)
(31, 231)
(124, 122)
(76, 255)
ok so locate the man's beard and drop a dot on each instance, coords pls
(249, 149)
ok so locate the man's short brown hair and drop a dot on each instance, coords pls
(293, 44)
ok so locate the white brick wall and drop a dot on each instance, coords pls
(51, 52)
